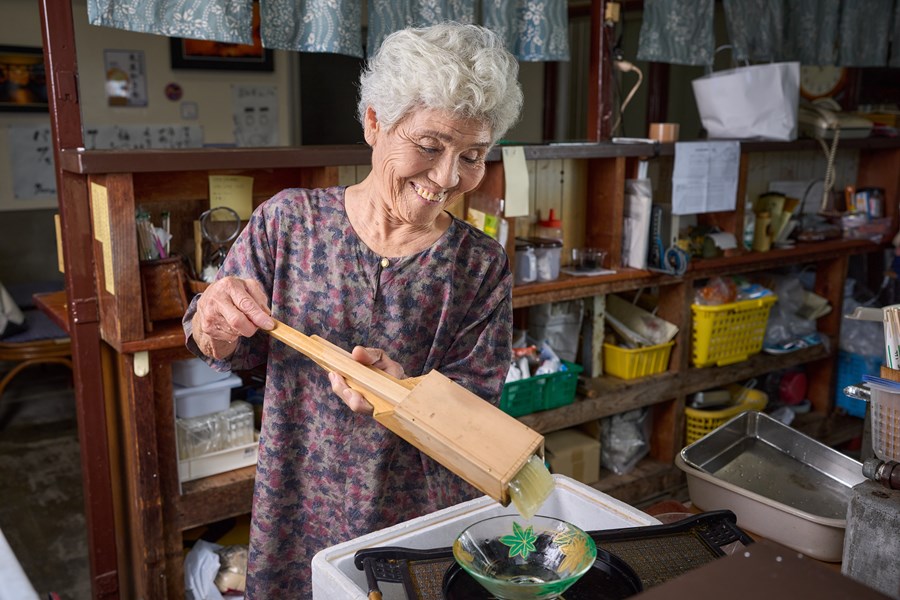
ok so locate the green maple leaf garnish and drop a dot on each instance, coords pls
(521, 542)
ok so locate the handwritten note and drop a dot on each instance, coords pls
(232, 191)
(31, 155)
(142, 137)
(705, 177)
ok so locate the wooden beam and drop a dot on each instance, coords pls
(58, 33)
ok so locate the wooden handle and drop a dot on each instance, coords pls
(374, 595)
(380, 389)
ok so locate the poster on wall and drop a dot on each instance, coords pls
(31, 158)
(126, 80)
(255, 111)
(23, 85)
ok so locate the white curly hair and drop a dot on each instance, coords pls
(464, 69)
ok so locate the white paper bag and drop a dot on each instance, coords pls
(755, 101)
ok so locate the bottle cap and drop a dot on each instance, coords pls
(552, 222)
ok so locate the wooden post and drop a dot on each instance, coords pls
(58, 33)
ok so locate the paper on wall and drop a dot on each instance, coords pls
(705, 177)
(255, 109)
(515, 172)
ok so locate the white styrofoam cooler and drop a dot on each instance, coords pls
(205, 399)
(194, 371)
(334, 576)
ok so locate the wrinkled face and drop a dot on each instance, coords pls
(426, 162)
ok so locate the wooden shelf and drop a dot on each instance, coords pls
(605, 396)
(216, 497)
(570, 287)
(85, 162)
(648, 479)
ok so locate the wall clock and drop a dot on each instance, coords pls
(820, 82)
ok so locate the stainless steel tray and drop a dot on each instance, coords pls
(780, 483)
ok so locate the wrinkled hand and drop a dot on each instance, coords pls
(228, 309)
(367, 356)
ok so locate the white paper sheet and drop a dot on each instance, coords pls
(517, 183)
(705, 177)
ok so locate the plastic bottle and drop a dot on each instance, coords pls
(550, 228)
(749, 225)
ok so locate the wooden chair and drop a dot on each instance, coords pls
(43, 342)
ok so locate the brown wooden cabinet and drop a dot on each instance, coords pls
(153, 509)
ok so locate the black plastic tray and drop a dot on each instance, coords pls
(655, 553)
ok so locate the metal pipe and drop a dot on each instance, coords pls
(885, 473)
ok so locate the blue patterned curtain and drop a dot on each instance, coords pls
(677, 31)
(895, 38)
(812, 27)
(534, 30)
(313, 25)
(219, 20)
(755, 28)
(864, 33)
(388, 16)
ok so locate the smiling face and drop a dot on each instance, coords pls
(427, 161)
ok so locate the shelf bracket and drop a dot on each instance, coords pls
(141, 363)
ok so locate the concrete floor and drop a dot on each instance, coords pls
(42, 509)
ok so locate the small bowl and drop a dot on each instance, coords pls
(524, 559)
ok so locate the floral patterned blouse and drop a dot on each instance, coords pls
(326, 474)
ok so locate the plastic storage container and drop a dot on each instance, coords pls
(194, 372)
(549, 257)
(204, 399)
(699, 422)
(628, 363)
(550, 228)
(731, 332)
(850, 371)
(885, 422)
(541, 392)
(229, 428)
(526, 262)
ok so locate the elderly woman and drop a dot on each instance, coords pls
(380, 267)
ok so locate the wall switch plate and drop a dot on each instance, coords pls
(189, 111)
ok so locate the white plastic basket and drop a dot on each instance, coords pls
(885, 407)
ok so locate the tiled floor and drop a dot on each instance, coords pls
(42, 510)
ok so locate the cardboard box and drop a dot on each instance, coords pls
(573, 453)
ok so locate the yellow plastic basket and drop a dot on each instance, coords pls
(699, 422)
(729, 333)
(633, 363)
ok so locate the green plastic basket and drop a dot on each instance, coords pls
(541, 392)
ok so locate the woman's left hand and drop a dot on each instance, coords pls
(374, 357)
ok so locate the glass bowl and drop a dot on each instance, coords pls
(524, 559)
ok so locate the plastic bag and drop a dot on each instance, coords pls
(751, 101)
(624, 440)
(557, 324)
(864, 338)
(784, 324)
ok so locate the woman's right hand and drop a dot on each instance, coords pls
(228, 309)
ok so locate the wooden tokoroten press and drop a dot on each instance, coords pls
(469, 436)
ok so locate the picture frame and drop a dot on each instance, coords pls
(208, 54)
(204, 54)
(23, 81)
